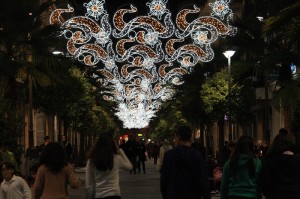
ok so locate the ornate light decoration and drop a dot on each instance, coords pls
(139, 58)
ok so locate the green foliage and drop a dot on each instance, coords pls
(214, 92)
(169, 118)
(11, 123)
(75, 102)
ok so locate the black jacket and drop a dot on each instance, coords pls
(184, 174)
(281, 177)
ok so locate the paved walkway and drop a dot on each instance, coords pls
(133, 186)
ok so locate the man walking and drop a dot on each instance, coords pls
(183, 172)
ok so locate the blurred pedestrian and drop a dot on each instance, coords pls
(225, 153)
(141, 148)
(183, 172)
(131, 152)
(102, 169)
(240, 178)
(149, 147)
(8, 156)
(55, 174)
(30, 163)
(68, 148)
(155, 152)
(45, 142)
(166, 146)
(13, 187)
(198, 145)
(281, 173)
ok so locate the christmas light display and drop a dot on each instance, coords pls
(141, 58)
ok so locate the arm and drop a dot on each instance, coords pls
(125, 164)
(37, 187)
(73, 179)
(1, 194)
(26, 189)
(89, 180)
(164, 176)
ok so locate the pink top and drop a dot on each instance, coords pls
(54, 185)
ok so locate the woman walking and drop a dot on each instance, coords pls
(281, 173)
(102, 169)
(240, 179)
(54, 174)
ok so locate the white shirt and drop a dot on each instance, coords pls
(16, 188)
(100, 184)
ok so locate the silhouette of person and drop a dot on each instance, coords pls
(183, 172)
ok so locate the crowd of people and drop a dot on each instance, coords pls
(269, 170)
(245, 171)
(45, 172)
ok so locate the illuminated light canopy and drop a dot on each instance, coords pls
(140, 58)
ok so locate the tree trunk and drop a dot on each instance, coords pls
(221, 138)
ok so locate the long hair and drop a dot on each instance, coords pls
(102, 153)
(54, 157)
(282, 142)
(244, 146)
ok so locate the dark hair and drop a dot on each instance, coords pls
(54, 156)
(283, 131)
(282, 142)
(46, 138)
(8, 165)
(184, 133)
(102, 153)
(244, 146)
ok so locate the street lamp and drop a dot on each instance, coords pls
(228, 54)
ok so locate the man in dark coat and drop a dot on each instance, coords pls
(183, 172)
(131, 152)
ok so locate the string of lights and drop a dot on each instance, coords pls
(142, 57)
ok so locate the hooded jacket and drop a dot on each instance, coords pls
(242, 185)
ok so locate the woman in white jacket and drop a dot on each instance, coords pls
(102, 169)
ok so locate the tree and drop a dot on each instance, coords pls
(11, 123)
(26, 59)
(282, 27)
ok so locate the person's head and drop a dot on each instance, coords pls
(46, 139)
(64, 138)
(282, 142)
(244, 146)
(259, 143)
(8, 170)
(54, 156)
(102, 153)
(183, 134)
(283, 131)
(231, 146)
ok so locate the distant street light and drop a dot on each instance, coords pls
(228, 54)
(57, 52)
